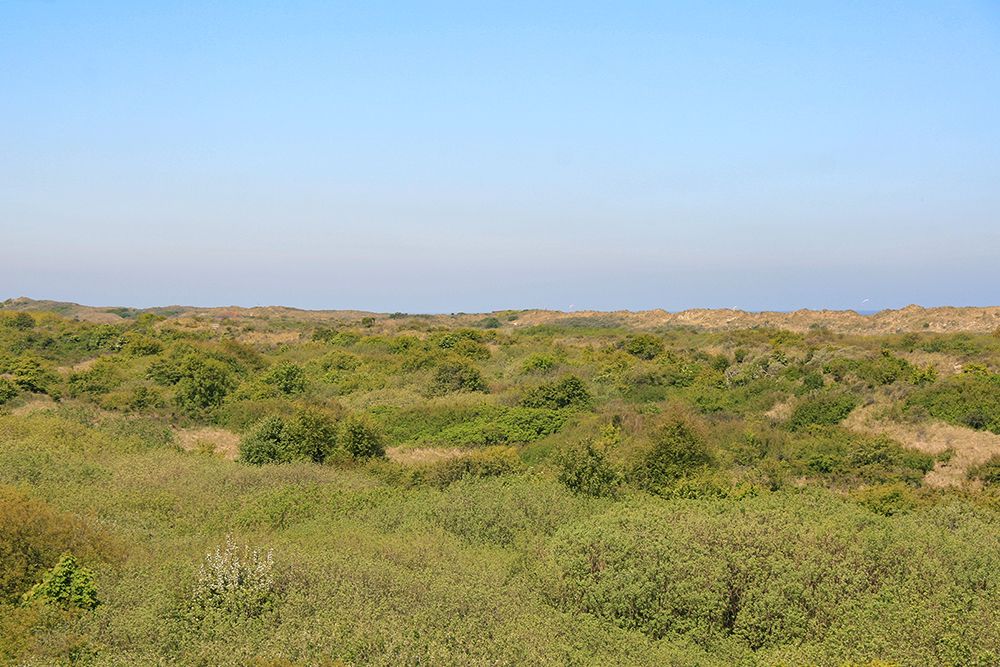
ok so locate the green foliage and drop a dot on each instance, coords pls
(586, 470)
(457, 376)
(30, 374)
(569, 392)
(987, 472)
(202, 384)
(762, 574)
(311, 434)
(538, 363)
(22, 321)
(286, 377)
(644, 346)
(360, 439)
(268, 442)
(874, 371)
(8, 390)
(504, 426)
(67, 585)
(493, 461)
(822, 408)
(970, 399)
(677, 450)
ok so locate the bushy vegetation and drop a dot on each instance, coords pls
(414, 490)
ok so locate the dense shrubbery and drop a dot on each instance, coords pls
(455, 376)
(779, 572)
(822, 409)
(677, 450)
(309, 435)
(570, 392)
(970, 399)
(452, 495)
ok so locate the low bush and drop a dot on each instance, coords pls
(66, 585)
(569, 392)
(457, 376)
(823, 408)
(586, 470)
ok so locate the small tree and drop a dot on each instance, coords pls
(677, 451)
(566, 393)
(457, 376)
(266, 443)
(361, 440)
(203, 383)
(312, 435)
(67, 585)
(644, 346)
(286, 377)
(586, 470)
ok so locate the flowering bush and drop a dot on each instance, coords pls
(235, 580)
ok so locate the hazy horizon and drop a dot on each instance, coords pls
(448, 157)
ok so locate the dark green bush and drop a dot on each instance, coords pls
(8, 390)
(677, 450)
(988, 472)
(361, 440)
(569, 392)
(538, 363)
(644, 346)
(504, 426)
(312, 434)
(968, 399)
(268, 443)
(586, 470)
(457, 376)
(822, 408)
(286, 377)
(203, 383)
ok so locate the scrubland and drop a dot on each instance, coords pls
(278, 489)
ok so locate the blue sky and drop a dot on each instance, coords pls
(437, 157)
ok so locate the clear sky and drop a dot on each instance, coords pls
(429, 157)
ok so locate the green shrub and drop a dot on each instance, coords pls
(8, 390)
(504, 426)
(140, 345)
(30, 374)
(493, 461)
(361, 440)
(21, 321)
(823, 408)
(203, 383)
(968, 399)
(677, 450)
(569, 392)
(101, 378)
(988, 472)
(267, 443)
(586, 470)
(67, 585)
(457, 376)
(286, 377)
(311, 434)
(538, 363)
(33, 535)
(644, 346)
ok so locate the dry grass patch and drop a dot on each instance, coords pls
(209, 440)
(969, 448)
